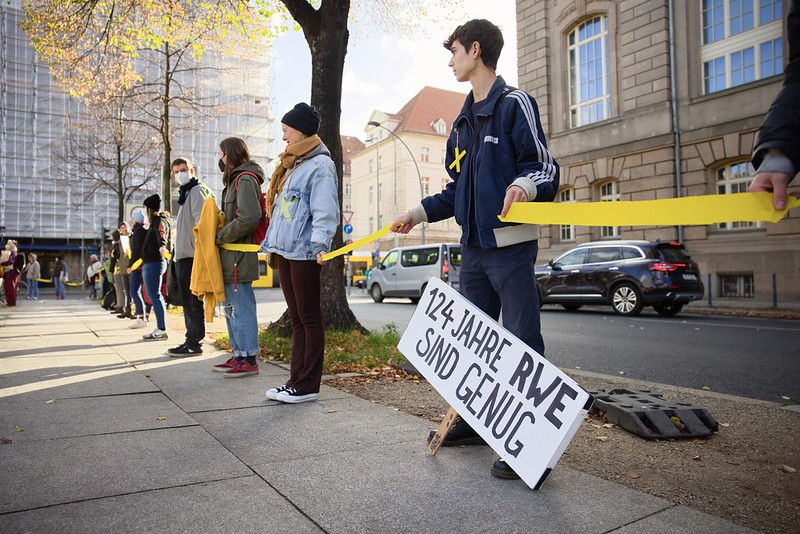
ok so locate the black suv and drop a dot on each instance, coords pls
(628, 275)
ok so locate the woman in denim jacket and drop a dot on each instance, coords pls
(303, 204)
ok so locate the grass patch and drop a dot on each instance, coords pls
(345, 352)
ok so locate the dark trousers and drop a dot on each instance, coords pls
(503, 279)
(301, 285)
(193, 315)
(10, 281)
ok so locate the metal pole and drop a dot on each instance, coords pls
(419, 175)
(774, 290)
(709, 290)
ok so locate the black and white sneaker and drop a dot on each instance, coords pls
(182, 351)
(291, 396)
(272, 394)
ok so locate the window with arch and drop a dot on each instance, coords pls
(567, 231)
(735, 178)
(609, 192)
(742, 41)
(589, 79)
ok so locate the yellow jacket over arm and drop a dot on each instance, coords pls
(206, 281)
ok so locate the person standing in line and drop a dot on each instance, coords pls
(241, 205)
(12, 267)
(121, 275)
(93, 275)
(303, 204)
(192, 195)
(776, 147)
(137, 241)
(60, 278)
(33, 271)
(496, 155)
(154, 264)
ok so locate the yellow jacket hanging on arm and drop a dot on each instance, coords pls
(206, 282)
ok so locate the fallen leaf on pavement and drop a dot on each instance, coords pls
(51, 401)
(788, 468)
(696, 458)
(20, 429)
(726, 425)
(161, 417)
(601, 438)
(609, 425)
(784, 397)
(706, 388)
(331, 411)
(598, 427)
(5, 441)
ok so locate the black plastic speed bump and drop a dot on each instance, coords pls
(651, 416)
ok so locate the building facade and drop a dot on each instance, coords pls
(46, 202)
(651, 99)
(403, 162)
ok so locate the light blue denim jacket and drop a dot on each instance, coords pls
(306, 212)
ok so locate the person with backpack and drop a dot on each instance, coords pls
(135, 273)
(242, 208)
(154, 263)
(192, 195)
(303, 205)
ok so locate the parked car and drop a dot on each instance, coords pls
(405, 271)
(628, 275)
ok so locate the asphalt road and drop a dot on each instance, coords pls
(749, 357)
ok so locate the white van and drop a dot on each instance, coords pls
(405, 271)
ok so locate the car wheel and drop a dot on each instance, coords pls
(668, 309)
(376, 293)
(571, 307)
(626, 299)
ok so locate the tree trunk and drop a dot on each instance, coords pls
(326, 32)
(166, 176)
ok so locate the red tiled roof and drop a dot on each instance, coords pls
(429, 105)
(350, 145)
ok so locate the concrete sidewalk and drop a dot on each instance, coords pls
(109, 434)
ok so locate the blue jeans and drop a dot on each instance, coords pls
(59, 285)
(152, 273)
(136, 294)
(242, 319)
(33, 288)
(503, 278)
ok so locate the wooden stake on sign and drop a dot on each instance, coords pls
(441, 433)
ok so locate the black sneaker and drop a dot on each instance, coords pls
(460, 434)
(182, 351)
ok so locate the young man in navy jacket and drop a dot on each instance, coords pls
(496, 155)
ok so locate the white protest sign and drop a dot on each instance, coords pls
(525, 408)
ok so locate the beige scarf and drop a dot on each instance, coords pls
(286, 160)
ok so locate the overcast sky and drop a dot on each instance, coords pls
(385, 72)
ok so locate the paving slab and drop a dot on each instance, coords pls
(243, 505)
(45, 378)
(310, 429)
(401, 488)
(679, 520)
(193, 386)
(66, 470)
(63, 418)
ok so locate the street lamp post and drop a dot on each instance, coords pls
(419, 175)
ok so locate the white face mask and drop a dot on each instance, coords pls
(182, 178)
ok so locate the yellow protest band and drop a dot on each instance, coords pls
(684, 211)
(167, 255)
(45, 280)
(136, 264)
(237, 247)
(358, 243)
